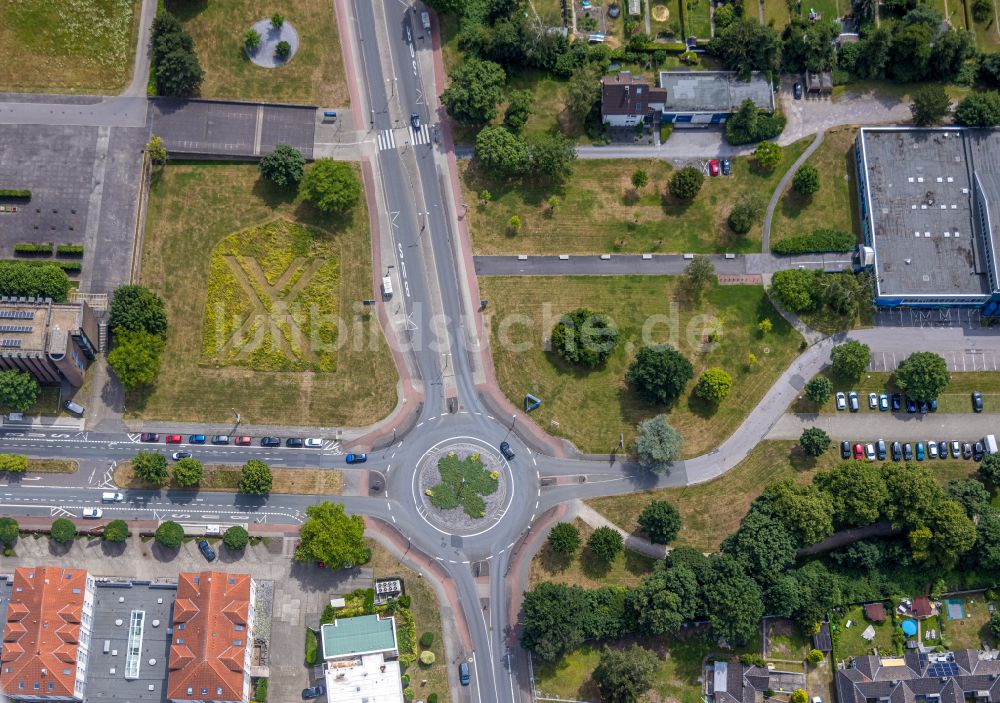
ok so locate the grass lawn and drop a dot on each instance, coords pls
(833, 207)
(778, 12)
(987, 33)
(224, 477)
(597, 213)
(585, 569)
(677, 679)
(52, 466)
(972, 630)
(848, 641)
(427, 618)
(68, 46)
(192, 208)
(785, 640)
(47, 403)
(549, 12)
(697, 18)
(956, 399)
(665, 18)
(591, 408)
(315, 75)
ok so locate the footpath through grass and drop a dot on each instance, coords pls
(600, 212)
(833, 207)
(224, 477)
(585, 568)
(193, 207)
(314, 75)
(591, 408)
(67, 46)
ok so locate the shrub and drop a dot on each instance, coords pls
(169, 534)
(46, 280)
(584, 338)
(69, 250)
(8, 531)
(312, 647)
(260, 691)
(18, 390)
(433, 698)
(28, 249)
(13, 463)
(426, 639)
(818, 241)
(685, 183)
(408, 694)
(284, 166)
(330, 186)
(806, 180)
(661, 521)
(606, 543)
(277, 21)
(799, 696)
(116, 531)
(427, 657)
(750, 124)
(283, 49)
(564, 538)
(767, 155)
(251, 40)
(815, 656)
(745, 213)
(714, 384)
(63, 531)
(18, 193)
(235, 538)
(982, 10)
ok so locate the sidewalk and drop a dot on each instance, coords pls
(632, 542)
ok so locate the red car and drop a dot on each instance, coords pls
(174, 439)
(713, 167)
(859, 451)
(244, 441)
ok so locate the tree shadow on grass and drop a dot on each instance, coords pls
(552, 561)
(271, 195)
(792, 204)
(185, 10)
(705, 409)
(592, 565)
(801, 461)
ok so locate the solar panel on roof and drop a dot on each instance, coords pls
(15, 328)
(17, 314)
(10, 343)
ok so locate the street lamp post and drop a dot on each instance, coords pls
(237, 425)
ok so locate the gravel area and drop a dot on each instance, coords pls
(456, 521)
(269, 38)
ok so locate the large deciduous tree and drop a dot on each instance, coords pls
(623, 676)
(856, 492)
(585, 338)
(733, 600)
(284, 166)
(331, 536)
(136, 308)
(850, 359)
(685, 183)
(18, 390)
(255, 478)
(501, 153)
(657, 444)
(745, 46)
(661, 521)
(135, 357)
(474, 92)
(331, 186)
(188, 472)
(819, 389)
(564, 538)
(150, 467)
(659, 373)
(923, 375)
(169, 534)
(713, 385)
(605, 543)
(930, 106)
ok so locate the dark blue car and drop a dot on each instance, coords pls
(357, 458)
(206, 550)
(196, 439)
(911, 405)
(463, 673)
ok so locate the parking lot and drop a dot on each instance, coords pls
(970, 359)
(943, 317)
(300, 591)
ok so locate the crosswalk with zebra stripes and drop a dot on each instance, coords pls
(389, 139)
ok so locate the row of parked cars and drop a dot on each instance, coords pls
(907, 452)
(245, 441)
(883, 402)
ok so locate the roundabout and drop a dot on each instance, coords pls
(462, 487)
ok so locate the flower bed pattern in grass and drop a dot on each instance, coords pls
(463, 483)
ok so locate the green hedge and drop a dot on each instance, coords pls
(69, 267)
(69, 250)
(24, 194)
(818, 241)
(34, 278)
(26, 248)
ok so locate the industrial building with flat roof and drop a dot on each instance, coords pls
(709, 97)
(54, 342)
(925, 201)
(361, 660)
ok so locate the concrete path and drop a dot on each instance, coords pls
(140, 67)
(632, 542)
(782, 186)
(811, 336)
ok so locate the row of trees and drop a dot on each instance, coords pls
(256, 477)
(20, 278)
(168, 534)
(138, 325)
(808, 290)
(175, 64)
(504, 153)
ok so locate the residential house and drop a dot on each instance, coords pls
(951, 677)
(628, 100)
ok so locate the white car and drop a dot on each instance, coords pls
(112, 497)
(873, 401)
(314, 442)
(841, 401)
(870, 452)
(932, 450)
(93, 513)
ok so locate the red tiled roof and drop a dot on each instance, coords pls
(875, 612)
(43, 631)
(203, 655)
(922, 607)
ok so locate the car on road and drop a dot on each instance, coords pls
(883, 402)
(880, 449)
(313, 692)
(149, 437)
(911, 405)
(112, 497)
(244, 441)
(177, 456)
(845, 450)
(897, 451)
(196, 439)
(920, 451)
(206, 549)
(932, 450)
(872, 401)
(294, 442)
(852, 401)
(360, 458)
(220, 439)
(966, 451)
(797, 90)
(870, 452)
(859, 451)
(727, 167)
(977, 401)
(897, 402)
(713, 168)
(841, 401)
(414, 120)
(507, 452)
(942, 450)
(956, 449)
(907, 452)
(314, 442)
(463, 674)
(270, 442)
(92, 513)
(977, 451)
(174, 439)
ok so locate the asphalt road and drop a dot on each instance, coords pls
(649, 264)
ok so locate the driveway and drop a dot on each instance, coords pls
(852, 107)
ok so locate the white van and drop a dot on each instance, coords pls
(112, 497)
(386, 287)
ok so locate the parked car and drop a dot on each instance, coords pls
(859, 451)
(897, 402)
(932, 450)
(880, 449)
(92, 513)
(870, 452)
(506, 450)
(920, 451)
(956, 449)
(220, 439)
(845, 450)
(977, 401)
(270, 442)
(872, 401)
(883, 402)
(112, 497)
(942, 450)
(74, 408)
(149, 437)
(897, 451)
(177, 456)
(911, 405)
(977, 451)
(174, 439)
(314, 442)
(797, 90)
(206, 549)
(713, 168)
(196, 439)
(463, 674)
(244, 441)
(360, 458)
(852, 401)
(907, 452)
(294, 442)
(726, 167)
(841, 401)
(966, 451)
(313, 692)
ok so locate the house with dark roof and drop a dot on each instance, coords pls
(918, 677)
(733, 682)
(922, 608)
(46, 641)
(875, 612)
(628, 100)
(214, 616)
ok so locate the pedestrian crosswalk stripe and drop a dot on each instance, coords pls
(421, 135)
(386, 140)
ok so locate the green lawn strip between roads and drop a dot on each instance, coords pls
(68, 46)
(314, 75)
(194, 206)
(597, 213)
(591, 408)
